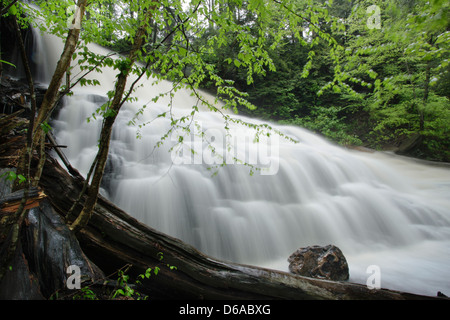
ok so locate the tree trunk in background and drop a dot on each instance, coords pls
(107, 127)
(425, 94)
(1, 63)
(50, 98)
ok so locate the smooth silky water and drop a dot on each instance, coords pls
(381, 210)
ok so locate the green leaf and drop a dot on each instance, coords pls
(21, 178)
(13, 10)
(8, 63)
(10, 175)
(46, 127)
(119, 291)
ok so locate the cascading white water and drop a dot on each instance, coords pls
(380, 209)
(37, 57)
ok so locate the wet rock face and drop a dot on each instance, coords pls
(324, 262)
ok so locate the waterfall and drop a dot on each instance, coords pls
(381, 210)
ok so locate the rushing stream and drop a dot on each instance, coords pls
(381, 210)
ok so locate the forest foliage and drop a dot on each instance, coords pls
(386, 80)
(360, 72)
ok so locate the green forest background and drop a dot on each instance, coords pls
(395, 86)
(360, 72)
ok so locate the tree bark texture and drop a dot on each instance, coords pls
(107, 127)
(63, 64)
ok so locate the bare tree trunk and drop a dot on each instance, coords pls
(24, 164)
(425, 94)
(35, 133)
(1, 64)
(25, 159)
(108, 122)
(51, 95)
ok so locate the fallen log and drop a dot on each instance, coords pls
(113, 239)
(8, 122)
(11, 202)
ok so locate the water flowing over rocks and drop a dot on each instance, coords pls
(114, 239)
(323, 262)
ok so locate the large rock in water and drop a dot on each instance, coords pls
(324, 262)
